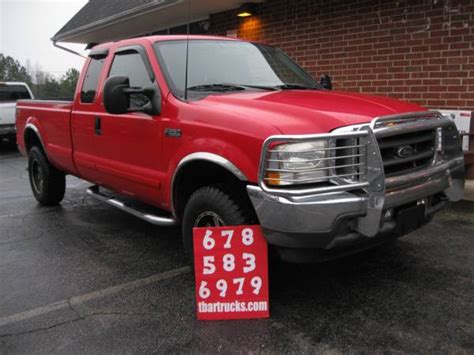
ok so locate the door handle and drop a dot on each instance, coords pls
(98, 126)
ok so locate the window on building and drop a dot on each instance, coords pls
(195, 28)
(89, 87)
(199, 28)
(179, 30)
(161, 33)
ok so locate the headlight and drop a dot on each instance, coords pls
(297, 163)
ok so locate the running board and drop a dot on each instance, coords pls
(94, 191)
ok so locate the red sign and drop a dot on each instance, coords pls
(231, 267)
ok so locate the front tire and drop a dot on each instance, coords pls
(212, 207)
(47, 183)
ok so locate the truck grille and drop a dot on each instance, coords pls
(408, 152)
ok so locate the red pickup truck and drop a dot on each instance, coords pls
(238, 133)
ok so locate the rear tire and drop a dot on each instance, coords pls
(47, 183)
(211, 207)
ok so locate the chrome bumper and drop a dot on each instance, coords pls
(318, 219)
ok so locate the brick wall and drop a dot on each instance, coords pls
(418, 50)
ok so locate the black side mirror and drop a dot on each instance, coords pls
(326, 82)
(117, 92)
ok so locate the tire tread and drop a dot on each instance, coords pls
(236, 211)
(54, 180)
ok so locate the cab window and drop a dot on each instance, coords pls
(131, 65)
(89, 87)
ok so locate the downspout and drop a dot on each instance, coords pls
(67, 49)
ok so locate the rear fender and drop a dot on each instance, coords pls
(33, 127)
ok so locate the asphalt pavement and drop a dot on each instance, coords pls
(86, 278)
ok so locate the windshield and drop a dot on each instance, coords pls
(217, 64)
(13, 93)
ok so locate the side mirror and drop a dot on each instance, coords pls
(117, 92)
(326, 82)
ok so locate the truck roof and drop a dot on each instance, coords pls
(153, 39)
(13, 83)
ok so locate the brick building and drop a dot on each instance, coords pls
(418, 50)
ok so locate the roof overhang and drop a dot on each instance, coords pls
(145, 19)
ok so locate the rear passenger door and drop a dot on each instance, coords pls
(128, 155)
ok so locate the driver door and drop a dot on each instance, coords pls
(128, 160)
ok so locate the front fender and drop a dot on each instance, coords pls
(241, 163)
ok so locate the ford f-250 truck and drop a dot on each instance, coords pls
(237, 133)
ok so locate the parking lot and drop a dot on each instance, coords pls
(84, 277)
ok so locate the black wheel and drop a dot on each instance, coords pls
(213, 207)
(47, 183)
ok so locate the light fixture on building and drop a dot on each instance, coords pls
(246, 10)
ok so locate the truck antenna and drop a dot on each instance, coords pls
(187, 51)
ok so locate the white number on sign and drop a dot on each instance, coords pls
(204, 292)
(221, 285)
(208, 243)
(229, 262)
(247, 236)
(229, 235)
(256, 284)
(249, 262)
(209, 267)
(240, 289)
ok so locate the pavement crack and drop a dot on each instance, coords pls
(79, 318)
(74, 310)
(31, 331)
(24, 240)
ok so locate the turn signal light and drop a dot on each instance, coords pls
(272, 178)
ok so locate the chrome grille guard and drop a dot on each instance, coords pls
(374, 184)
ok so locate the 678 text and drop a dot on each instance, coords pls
(209, 242)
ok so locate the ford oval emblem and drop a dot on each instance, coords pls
(405, 151)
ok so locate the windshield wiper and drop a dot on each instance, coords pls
(229, 87)
(238, 87)
(260, 87)
(295, 87)
(217, 87)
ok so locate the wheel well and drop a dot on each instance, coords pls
(197, 174)
(31, 140)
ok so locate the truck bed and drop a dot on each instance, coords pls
(52, 118)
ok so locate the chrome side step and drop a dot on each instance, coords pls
(94, 191)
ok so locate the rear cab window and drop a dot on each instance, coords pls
(13, 93)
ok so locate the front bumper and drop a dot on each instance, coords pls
(333, 219)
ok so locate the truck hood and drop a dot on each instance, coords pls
(306, 112)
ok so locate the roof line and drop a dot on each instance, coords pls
(120, 17)
(142, 34)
